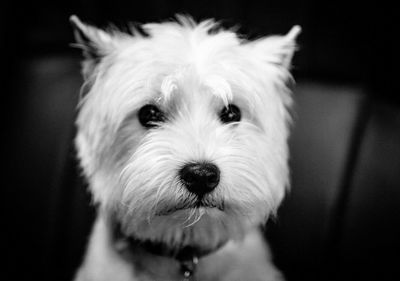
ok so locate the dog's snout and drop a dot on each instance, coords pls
(200, 178)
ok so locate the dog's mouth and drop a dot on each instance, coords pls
(198, 204)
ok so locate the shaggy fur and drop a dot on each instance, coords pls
(191, 72)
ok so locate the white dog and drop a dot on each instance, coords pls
(182, 136)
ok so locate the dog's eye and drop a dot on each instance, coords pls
(149, 115)
(231, 113)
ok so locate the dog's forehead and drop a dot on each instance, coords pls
(163, 80)
(188, 89)
(177, 59)
(189, 85)
(194, 66)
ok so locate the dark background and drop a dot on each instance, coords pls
(341, 221)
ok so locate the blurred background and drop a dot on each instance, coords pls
(341, 220)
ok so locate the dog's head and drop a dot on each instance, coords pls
(182, 128)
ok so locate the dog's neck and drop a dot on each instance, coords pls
(181, 261)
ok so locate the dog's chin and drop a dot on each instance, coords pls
(206, 227)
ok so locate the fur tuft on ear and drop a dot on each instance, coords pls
(290, 46)
(278, 49)
(95, 44)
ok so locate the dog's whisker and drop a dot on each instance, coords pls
(199, 213)
(192, 214)
(160, 191)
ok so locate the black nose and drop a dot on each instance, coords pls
(200, 178)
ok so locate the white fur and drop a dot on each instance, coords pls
(191, 73)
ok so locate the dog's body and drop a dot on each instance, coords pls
(182, 136)
(245, 260)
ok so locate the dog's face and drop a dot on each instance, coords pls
(182, 133)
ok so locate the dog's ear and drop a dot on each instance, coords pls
(279, 49)
(95, 44)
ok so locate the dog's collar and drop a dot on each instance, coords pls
(187, 256)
